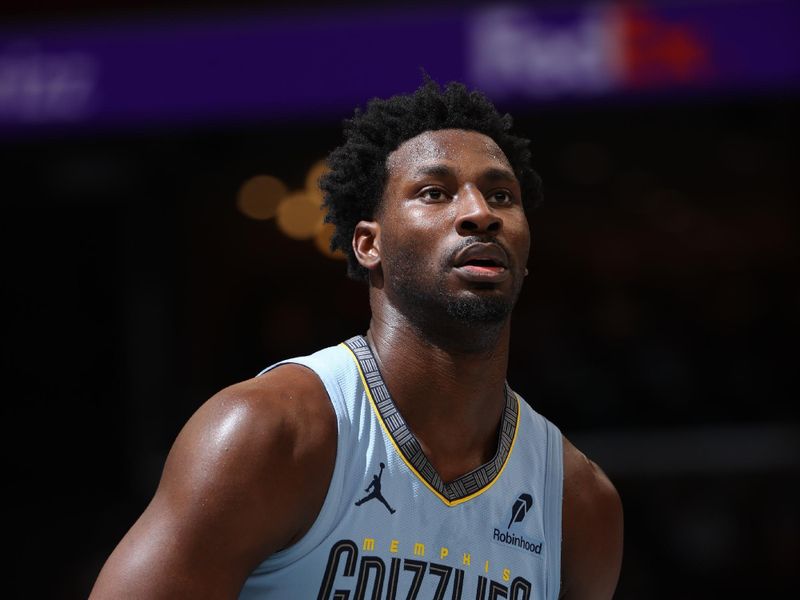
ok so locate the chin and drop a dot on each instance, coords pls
(478, 309)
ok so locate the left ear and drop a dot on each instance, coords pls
(367, 245)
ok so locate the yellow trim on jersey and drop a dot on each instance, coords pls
(410, 466)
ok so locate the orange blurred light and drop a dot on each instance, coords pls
(259, 196)
(298, 217)
(316, 171)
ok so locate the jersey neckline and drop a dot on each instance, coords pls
(454, 492)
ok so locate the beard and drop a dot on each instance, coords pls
(426, 302)
(476, 309)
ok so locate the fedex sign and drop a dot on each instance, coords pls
(603, 48)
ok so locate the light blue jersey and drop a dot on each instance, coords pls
(390, 528)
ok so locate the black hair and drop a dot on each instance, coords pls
(354, 186)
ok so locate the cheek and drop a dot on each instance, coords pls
(418, 232)
(399, 247)
(413, 257)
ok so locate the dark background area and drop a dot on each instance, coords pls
(658, 327)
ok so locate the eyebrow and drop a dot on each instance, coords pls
(497, 174)
(434, 171)
(492, 174)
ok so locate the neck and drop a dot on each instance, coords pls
(448, 385)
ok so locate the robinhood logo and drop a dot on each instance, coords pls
(519, 511)
(517, 540)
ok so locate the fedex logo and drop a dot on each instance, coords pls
(602, 48)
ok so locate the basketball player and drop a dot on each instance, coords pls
(470, 493)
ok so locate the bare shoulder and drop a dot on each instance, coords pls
(265, 438)
(592, 530)
(245, 478)
(275, 420)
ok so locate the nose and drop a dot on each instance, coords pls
(475, 214)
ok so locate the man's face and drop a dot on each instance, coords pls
(454, 238)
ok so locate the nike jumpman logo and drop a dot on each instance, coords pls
(375, 486)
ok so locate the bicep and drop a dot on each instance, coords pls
(191, 540)
(167, 554)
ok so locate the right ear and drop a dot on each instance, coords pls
(367, 244)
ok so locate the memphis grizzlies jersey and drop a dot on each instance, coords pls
(391, 529)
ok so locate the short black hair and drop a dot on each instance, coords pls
(354, 185)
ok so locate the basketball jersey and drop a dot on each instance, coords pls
(390, 528)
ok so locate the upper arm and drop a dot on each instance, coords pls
(246, 477)
(591, 531)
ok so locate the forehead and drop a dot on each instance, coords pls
(457, 146)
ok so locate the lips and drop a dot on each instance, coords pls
(481, 262)
(480, 254)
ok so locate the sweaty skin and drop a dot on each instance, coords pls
(248, 474)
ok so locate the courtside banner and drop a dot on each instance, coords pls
(218, 69)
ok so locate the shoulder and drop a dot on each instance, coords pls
(263, 441)
(288, 405)
(592, 530)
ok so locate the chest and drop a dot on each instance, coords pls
(395, 536)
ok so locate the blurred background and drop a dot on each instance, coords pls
(161, 240)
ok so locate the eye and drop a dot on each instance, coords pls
(500, 197)
(433, 194)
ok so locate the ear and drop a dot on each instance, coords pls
(367, 245)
